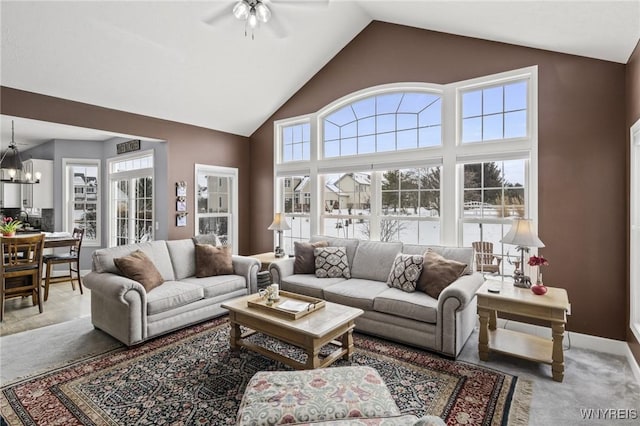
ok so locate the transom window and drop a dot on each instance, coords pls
(296, 139)
(498, 112)
(389, 122)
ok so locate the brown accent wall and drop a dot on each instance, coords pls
(187, 145)
(582, 130)
(633, 115)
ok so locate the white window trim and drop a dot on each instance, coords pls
(634, 228)
(232, 173)
(450, 154)
(67, 192)
(127, 174)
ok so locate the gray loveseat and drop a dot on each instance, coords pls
(442, 325)
(122, 308)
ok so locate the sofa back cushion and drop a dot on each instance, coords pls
(351, 244)
(459, 254)
(183, 257)
(156, 251)
(373, 260)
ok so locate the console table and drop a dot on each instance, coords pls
(551, 307)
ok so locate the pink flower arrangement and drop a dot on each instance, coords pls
(538, 261)
(9, 225)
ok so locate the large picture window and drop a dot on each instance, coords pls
(408, 162)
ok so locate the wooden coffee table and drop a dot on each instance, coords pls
(332, 324)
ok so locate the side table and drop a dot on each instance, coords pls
(264, 277)
(551, 307)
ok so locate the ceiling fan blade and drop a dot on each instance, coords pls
(303, 3)
(276, 27)
(214, 17)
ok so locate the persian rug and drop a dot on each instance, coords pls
(191, 377)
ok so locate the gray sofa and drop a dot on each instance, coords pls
(441, 325)
(122, 308)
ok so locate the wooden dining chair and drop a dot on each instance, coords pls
(485, 257)
(21, 268)
(72, 259)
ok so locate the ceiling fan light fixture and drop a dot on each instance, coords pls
(252, 20)
(262, 12)
(241, 10)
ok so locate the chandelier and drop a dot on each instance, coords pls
(252, 12)
(11, 165)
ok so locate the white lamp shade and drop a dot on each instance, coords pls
(252, 21)
(521, 234)
(279, 223)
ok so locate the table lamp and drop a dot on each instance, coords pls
(522, 236)
(279, 224)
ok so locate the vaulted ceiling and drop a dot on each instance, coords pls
(162, 59)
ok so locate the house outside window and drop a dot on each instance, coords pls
(81, 205)
(421, 163)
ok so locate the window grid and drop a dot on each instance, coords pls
(296, 141)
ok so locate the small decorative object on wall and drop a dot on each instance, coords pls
(181, 219)
(181, 189)
(129, 146)
(181, 204)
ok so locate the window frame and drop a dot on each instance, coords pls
(129, 174)
(68, 191)
(232, 215)
(450, 155)
(634, 231)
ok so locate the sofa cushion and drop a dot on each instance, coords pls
(217, 285)
(416, 305)
(307, 284)
(183, 257)
(331, 262)
(405, 272)
(172, 294)
(212, 260)
(305, 261)
(351, 244)
(355, 292)
(156, 251)
(138, 267)
(438, 273)
(460, 254)
(211, 239)
(373, 259)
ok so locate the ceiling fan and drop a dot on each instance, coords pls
(257, 12)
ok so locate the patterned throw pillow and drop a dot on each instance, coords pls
(405, 272)
(331, 262)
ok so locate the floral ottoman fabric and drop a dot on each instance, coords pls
(285, 397)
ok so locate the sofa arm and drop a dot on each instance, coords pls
(247, 267)
(118, 306)
(281, 268)
(463, 290)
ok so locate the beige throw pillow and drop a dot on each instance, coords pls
(212, 260)
(304, 262)
(438, 273)
(137, 266)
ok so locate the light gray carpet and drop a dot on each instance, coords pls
(592, 380)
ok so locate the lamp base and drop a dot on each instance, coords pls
(521, 280)
(279, 252)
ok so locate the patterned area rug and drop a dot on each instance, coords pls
(191, 377)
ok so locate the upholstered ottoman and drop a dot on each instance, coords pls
(280, 397)
(324, 396)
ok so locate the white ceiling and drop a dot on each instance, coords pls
(160, 59)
